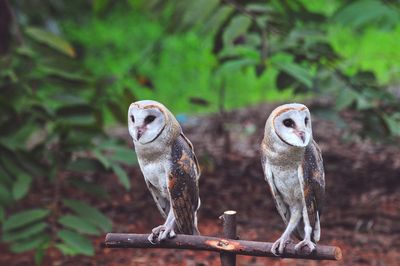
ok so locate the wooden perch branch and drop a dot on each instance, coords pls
(239, 247)
(229, 219)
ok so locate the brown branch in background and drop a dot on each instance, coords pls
(9, 29)
(206, 243)
(5, 26)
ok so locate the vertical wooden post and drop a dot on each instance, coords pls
(229, 227)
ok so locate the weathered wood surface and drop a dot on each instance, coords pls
(229, 231)
(238, 247)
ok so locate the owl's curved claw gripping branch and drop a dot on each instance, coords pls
(162, 232)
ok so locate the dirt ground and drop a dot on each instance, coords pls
(361, 215)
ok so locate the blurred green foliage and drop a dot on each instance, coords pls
(206, 55)
(51, 131)
(73, 68)
(169, 61)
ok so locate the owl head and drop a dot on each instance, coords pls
(149, 121)
(292, 124)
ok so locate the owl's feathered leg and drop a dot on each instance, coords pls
(306, 242)
(280, 244)
(317, 230)
(164, 231)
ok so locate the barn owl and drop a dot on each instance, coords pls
(169, 165)
(294, 170)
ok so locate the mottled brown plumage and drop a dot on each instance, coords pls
(183, 185)
(169, 165)
(293, 168)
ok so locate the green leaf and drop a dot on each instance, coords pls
(296, 71)
(21, 186)
(100, 5)
(51, 40)
(345, 98)
(23, 218)
(363, 103)
(5, 178)
(198, 11)
(79, 115)
(59, 73)
(122, 176)
(235, 65)
(215, 21)
(372, 12)
(26, 51)
(240, 51)
(103, 159)
(94, 189)
(31, 164)
(26, 232)
(258, 8)
(77, 242)
(393, 123)
(17, 140)
(78, 224)
(2, 214)
(79, 119)
(84, 165)
(33, 243)
(39, 255)
(123, 155)
(237, 26)
(10, 165)
(67, 250)
(5, 195)
(90, 214)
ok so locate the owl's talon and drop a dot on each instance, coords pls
(155, 234)
(167, 233)
(151, 239)
(279, 246)
(157, 230)
(305, 243)
(172, 234)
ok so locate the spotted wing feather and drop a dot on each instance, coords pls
(183, 185)
(313, 183)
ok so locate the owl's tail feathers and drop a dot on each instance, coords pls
(196, 231)
(317, 230)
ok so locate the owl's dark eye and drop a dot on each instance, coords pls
(132, 119)
(149, 119)
(288, 122)
(306, 121)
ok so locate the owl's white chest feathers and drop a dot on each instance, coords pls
(155, 170)
(156, 174)
(287, 183)
(284, 165)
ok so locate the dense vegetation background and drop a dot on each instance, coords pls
(70, 69)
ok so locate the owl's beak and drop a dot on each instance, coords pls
(140, 132)
(301, 135)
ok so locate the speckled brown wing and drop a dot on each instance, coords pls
(314, 182)
(183, 185)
